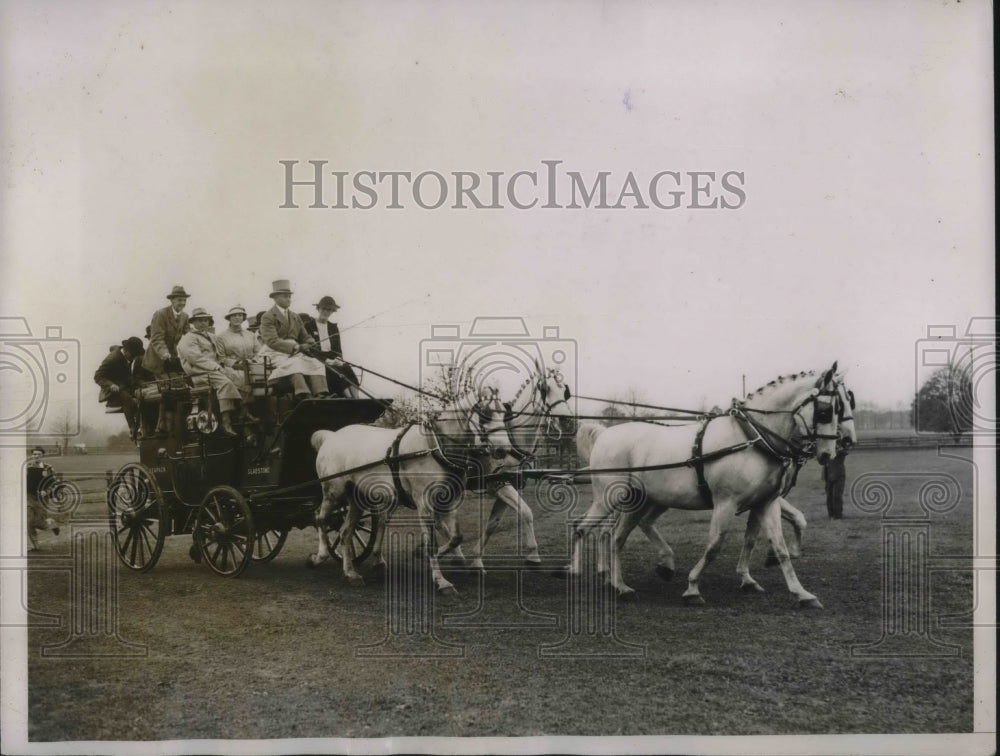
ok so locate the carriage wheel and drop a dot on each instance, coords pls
(138, 516)
(224, 531)
(364, 538)
(267, 544)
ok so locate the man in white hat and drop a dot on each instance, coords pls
(199, 356)
(289, 347)
(165, 330)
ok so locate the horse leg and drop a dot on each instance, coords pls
(665, 554)
(380, 523)
(492, 523)
(596, 515)
(430, 521)
(798, 521)
(452, 538)
(347, 543)
(322, 550)
(772, 525)
(747, 583)
(623, 527)
(721, 515)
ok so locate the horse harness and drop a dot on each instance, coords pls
(393, 460)
(790, 455)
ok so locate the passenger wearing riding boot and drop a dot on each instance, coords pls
(200, 357)
(118, 376)
(340, 377)
(289, 348)
(165, 331)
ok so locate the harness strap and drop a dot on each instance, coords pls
(392, 461)
(698, 463)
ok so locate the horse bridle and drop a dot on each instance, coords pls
(793, 449)
(481, 413)
(538, 399)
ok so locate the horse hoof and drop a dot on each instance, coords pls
(448, 592)
(626, 594)
(771, 561)
(665, 573)
(311, 561)
(695, 600)
(532, 564)
(356, 581)
(195, 553)
(812, 603)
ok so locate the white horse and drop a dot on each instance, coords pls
(431, 463)
(742, 461)
(543, 413)
(585, 438)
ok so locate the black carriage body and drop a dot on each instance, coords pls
(281, 483)
(238, 496)
(277, 476)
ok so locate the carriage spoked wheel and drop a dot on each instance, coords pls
(224, 531)
(364, 538)
(267, 544)
(138, 516)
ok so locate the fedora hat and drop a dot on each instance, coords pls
(237, 310)
(199, 312)
(134, 345)
(327, 303)
(281, 286)
(177, 291)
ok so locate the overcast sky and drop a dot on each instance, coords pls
(141, 146)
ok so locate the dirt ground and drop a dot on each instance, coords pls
(289, 652)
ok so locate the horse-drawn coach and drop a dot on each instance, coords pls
(237, 496)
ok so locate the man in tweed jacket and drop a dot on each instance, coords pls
(165, 330)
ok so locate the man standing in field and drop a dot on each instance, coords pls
(37, 473)
(835, 476)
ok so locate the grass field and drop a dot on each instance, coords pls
(274, 652)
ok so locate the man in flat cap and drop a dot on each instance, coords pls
(199, 357)
(165, 330)
(118, 376)
(288, 346)
(340, 377)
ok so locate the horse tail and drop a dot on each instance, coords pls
(586, 437)
(319, 437)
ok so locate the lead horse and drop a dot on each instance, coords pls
(738, 462)
(425, 465)
(585, 438)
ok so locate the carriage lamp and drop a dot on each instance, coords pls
(206, 422)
